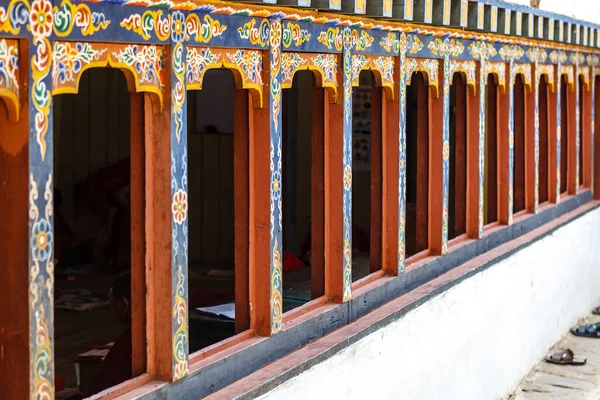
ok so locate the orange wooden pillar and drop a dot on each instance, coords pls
(317, 194)
(390, 114)
(14, 247)
(586, 149)
(439, 152)
(572, 137)
(337, 249)
(265, 252)
(505, 140)
(531, 142)
(553, 143)
(474, 139)
(241, 198)
(158, 239)
(138, 234)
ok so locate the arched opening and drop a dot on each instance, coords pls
(218, 198)
(99, 236)
(490, 198)
(366, 176)
(417, 165)
(519, 177)
(564, 128)
(457, 210)
(303, 191)
(544, 183)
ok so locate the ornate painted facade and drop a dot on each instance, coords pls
(165, 48)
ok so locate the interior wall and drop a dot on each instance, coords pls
(210, 170)
(476, 340)
(86, 141)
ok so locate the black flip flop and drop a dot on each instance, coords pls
(591, 331)
(566, 357)
(596, 311)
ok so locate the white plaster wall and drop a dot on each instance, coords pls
(476, 340)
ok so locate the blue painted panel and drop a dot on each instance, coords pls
(315, 38)
(17, 18)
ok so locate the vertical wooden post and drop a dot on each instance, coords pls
(347, 162)
(439, 149)
(265, 202)
(531, 142)
(41, 220)
(334, 214)
(159, 240)
(179, 225)
(138, 235)
(587, 138)
(492, 156)
(402, 155)
(553, 120)
(389, 155)
(376, 178)
(317, 193)
(14, 246)
(573, 137)
(505, 141)
(475, 136)
(241, 198)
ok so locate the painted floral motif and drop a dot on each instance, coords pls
(203, 32)
(498, 69)
(482, 50)
(197, 59)
(293, 34)
(390, 43)
(348, 177)
(414, 44)
(538, 54)
(147, 23)
(556, 56)
(511, 52)
(250, 63)
(69, 16)
(523, 69)
(256, 35)
(275, 176)
(70, 59)
(468, 67)
(290, 62)
(144, 59)
(180, 338)
(9, 66)
(359, 61)
(41, 284)
(41, 18)
(328, 66)
(361, 41)
(432, 67)
(385, 65)
(439, 48)
(179, 207)
(14, 17)
(446, 150)
(332, 39)
(177, 26)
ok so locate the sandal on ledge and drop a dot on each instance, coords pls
(566, 357)
(596, 311)
(591, 331)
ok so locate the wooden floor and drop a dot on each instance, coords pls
(549, 381)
